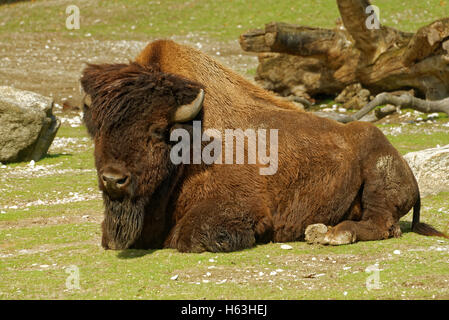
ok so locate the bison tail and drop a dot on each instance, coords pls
(423, 228)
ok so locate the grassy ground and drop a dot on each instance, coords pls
(39, 241)
(219, 19)
(50, 212)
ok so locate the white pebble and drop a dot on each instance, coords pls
(175, 277)
(286, 247)
(397, 251)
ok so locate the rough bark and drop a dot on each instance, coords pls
(288, 38)
(307, 61)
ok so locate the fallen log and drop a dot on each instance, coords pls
(306, 61)
(288, 38)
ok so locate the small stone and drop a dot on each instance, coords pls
(175, 277)
(286, 247)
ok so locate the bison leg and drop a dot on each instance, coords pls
(348, 231)
(389, 192)
(217, 227)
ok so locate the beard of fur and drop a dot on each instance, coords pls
(123, 221)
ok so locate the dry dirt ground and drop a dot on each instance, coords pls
(52, 65)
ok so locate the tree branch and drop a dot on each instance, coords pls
(402, 101)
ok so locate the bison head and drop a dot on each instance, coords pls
(129, 110)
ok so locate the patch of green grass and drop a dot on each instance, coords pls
(69, 173)
(72, 132)
(145, 274)
(251, 72)
(38, 236)
(411, 139)
(224, 20)
(81, 208)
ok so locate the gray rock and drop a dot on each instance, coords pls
(27, 125)
(431, 169)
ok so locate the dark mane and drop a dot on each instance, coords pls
(123, 92)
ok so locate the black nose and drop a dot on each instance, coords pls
(115, 182)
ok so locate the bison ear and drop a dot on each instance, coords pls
(189, 111)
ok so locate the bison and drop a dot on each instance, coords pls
(335, 183)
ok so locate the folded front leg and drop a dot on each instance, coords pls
(219, 226)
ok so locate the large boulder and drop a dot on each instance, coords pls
(27, 125)
(431, 169)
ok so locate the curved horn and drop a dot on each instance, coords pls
(188, 112)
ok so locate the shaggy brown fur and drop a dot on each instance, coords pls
(346, 176)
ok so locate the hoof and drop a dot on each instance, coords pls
(336, 239)
(315, 233)
(395, 231)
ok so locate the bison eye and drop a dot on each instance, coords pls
(122, 181)
(158, 133)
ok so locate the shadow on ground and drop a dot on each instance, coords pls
(406, 226)
(134, 253)
(56, 155)
(12, 1)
